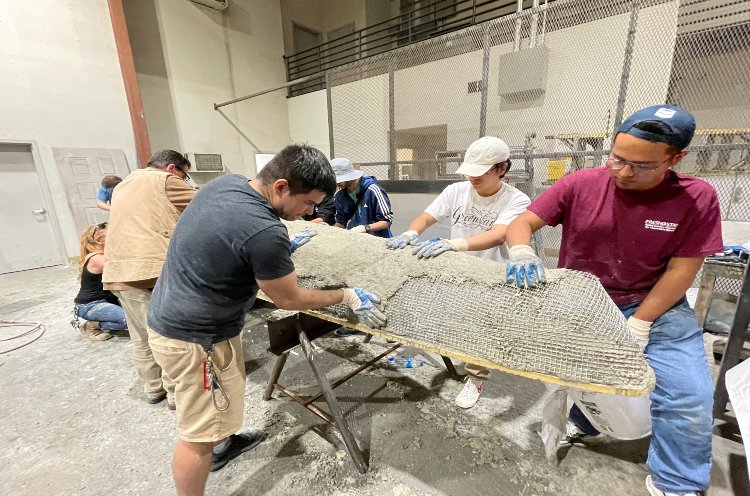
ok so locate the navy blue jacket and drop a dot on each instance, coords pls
(372, 205)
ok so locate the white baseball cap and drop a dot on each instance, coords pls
(344, 170)
(482, 155)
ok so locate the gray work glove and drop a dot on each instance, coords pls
(363, 304)
(524, 268)
(402, 240)
(301, 238)
(435, 246)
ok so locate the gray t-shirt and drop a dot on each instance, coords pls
(228, 236)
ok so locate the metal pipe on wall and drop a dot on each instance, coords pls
(534, 23)
(517, 36)
(628, 59)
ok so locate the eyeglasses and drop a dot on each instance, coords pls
(636, 167)
(187, 176)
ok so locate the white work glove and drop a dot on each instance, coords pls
(640, 330)
(400, 241)
(524, 268)
(435, 246)
(363, 304)
(358, 229)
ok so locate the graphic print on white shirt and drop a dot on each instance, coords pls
(470, 214)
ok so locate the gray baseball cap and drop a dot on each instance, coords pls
(344, 170)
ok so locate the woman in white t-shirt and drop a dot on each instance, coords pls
(479, 211)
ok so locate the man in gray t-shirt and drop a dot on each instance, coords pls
(228, 244)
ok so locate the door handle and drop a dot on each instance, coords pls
(39, 211)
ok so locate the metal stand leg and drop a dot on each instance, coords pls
(277, 368)
(333, 404)
(451, 368)
(733, 351)
(368, 338)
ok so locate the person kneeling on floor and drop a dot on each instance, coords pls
(229, 243)
(93, 303)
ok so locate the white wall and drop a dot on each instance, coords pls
(61, 86)
(308, 120)
(189, 57)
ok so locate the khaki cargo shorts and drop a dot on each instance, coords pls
(198, 420)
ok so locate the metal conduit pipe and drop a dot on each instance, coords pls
(517, 37)
(534, 23)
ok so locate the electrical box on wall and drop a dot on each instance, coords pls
(523, 73)
(205, 162)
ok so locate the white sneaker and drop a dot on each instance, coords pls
(655, 491)
(469, 394)
(574, 434)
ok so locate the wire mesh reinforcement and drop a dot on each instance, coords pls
(569, 328)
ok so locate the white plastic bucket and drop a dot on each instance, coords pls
(620, 417)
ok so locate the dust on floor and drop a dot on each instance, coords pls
(73, 422)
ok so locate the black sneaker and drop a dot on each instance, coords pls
(238, 444)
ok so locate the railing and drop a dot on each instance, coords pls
(427, 21)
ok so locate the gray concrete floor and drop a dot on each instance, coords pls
(74, 422)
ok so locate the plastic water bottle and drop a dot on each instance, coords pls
(408, 362)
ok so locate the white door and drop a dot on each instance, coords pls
(27, 236)
(81, 171)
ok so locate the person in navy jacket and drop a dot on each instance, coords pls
(362, 205)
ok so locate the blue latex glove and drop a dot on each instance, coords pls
(435, 246)
(301, 238)
(402, 240)
(524, 268)
(363, 304)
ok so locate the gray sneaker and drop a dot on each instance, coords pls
(575, 435)
(238, 444)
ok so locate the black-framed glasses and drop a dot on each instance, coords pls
(187, 176)
(636, 167)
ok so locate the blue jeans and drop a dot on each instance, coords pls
(679, 457)
(111, 317)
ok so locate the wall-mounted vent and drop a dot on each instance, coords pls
(475, 86)
(447, 169)
(213, 4)
(205, 162)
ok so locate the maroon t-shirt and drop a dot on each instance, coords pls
(626, 238)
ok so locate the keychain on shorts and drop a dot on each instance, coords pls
(211, 382)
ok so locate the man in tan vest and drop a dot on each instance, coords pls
(145, 209)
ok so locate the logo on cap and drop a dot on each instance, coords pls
(665, 113)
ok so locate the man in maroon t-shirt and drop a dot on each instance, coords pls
(643, 230)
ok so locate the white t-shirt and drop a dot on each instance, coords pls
(471, 214)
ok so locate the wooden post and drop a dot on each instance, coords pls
(132, 91)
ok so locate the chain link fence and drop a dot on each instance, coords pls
(554, 82)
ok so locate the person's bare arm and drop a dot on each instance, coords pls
(489, 239)
(421, 222)
(103, 205)
(287, 295)
(520, 230)
(670, 287)
(380, 225)
(96, 264)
